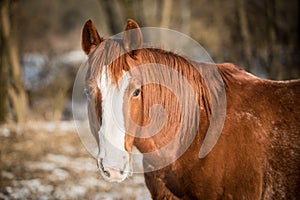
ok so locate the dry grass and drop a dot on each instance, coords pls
(42, 160)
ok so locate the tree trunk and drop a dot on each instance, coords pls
(112, 17)
(3, 79)
(245, 33)
(134, 10)
(15, 90)
(166, 14)
(185, 16)
(151, 12)
(275, 69)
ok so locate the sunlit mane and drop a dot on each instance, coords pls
(111, 53)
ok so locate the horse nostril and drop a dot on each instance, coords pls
(121, 172)
(106, 173)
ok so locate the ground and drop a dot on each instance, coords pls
(46, 160)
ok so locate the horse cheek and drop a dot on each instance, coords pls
(131, 124)
(136, 111)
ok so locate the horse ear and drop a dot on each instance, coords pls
(90, 37)
(132, 37)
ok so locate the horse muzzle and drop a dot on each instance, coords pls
(113, 174)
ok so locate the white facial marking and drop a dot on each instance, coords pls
(112, 131)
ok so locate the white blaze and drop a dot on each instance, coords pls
(112, 131)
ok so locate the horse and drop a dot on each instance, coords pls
(257, 155)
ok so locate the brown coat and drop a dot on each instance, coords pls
(258, 153)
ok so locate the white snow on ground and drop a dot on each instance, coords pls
(45, 160)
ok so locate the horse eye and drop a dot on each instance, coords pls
(88, 93)
(136, 92)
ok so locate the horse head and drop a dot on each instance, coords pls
(139, 96)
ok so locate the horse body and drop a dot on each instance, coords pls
(257, 155)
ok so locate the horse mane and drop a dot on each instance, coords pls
(111, 53)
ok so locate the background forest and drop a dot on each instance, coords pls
(40, 42)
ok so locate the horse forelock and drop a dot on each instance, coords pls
(109, 54)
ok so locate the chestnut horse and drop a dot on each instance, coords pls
(257, 155)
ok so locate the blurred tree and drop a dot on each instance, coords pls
(245, 33)
(3, 72)
(134, 10)
(11, 68)
(152, 12)
(261, 36)
(275, 66)
(117, 12)
(185, 15)
(110, 7)
(166, 13)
